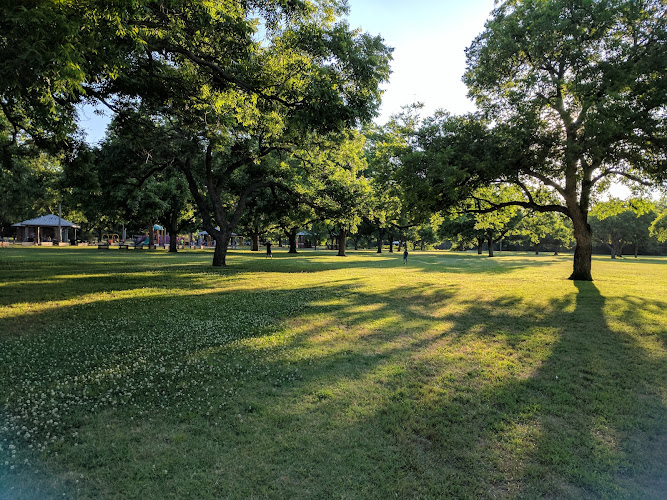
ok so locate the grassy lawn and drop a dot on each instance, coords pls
(149, 375)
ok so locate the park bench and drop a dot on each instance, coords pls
(103, 246)
(123, 246)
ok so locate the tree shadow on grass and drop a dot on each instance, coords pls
(68, 279)
(429, 262)
(140, 367)
(47, 274)
(407, 391)
(591, 414)
(583, 418)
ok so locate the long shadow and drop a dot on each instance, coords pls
(62, 276)
(442, 263)
(97, 372)
(119, 271)
(367, 394)
(585, 421)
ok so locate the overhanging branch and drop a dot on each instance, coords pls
(611, 171)
(525, 204)
(548, 182)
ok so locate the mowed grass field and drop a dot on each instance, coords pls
(150, 375)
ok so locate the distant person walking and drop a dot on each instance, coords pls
(268, 250)
(405, 255)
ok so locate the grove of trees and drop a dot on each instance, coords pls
(254, 116)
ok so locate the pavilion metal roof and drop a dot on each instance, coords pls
(46, 221)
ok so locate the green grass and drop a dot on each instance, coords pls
(150, 375)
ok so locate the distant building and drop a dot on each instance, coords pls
(44, 230)
(304, 240)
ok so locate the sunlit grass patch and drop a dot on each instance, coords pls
(317, 376)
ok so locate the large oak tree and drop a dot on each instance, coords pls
(577, 91)
(244, 79)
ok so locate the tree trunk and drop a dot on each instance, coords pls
(342, 240)
(583, 249)
(220, 252)
(557, 249)
(380, 240)
(391, 243)
(537, 248)
(291, 235)
(490, 240)
(254, 236)
(480, 243)
(173, 232)
(636, 248)
(615, 247)
(173, 241)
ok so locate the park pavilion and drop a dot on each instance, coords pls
(44, 230)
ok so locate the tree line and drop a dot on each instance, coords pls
(242, 115)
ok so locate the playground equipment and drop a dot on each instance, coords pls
(111, 239)
(140, 240)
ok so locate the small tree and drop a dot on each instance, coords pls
(617, 223)
(427, 233)
(546, 227)
(460, 229)
(336, 189)
(491, 222)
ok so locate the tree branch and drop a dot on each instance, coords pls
(548, 182)
(221, 74)
(525, 204)
(610, 171)
(199, 200)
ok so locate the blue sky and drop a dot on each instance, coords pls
(429, 38)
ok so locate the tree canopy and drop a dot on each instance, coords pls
(572, 95)
(238, 81)
(249, 103)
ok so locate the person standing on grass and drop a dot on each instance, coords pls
(405, 255)
(268, 250)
